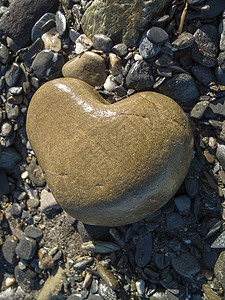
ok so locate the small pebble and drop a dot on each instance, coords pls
(140, 285)
(51, 40)
(185, 40)
(37, 30)
(83, 43)
(26, 248)
(157, 35)
(102, 42)
(115, 67)
(60, 21)
(199, 109)
(108, 277)
(120, 50)
(183, 203)
(110, 83)
(147, 49)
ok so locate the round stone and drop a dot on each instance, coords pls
(102, 42)
(147, 49)
(90, 67)
(60, 20)
(109, 164)
(157, 35)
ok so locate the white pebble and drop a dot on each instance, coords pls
(110, 83)
(138, 57)
(24, 175)
(9, 281)
(140, 285)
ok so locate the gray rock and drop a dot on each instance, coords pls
(48, 202)
(186, 265)
(147, 49)
(185, 40)
(143, 249)
(26, 248)
(219, 241)
(120, 50)
(140, 76)
(16, 26)
(220, 75)
(221, 60)
(33, 232)
(222, 36)
(32, 51)
(199, 109)
(183, 203)
(102, 42)
(12, 75)
(12, 110)
(27, 279)
(37, 30)
(33, 203)
(4, 54)
(157, 35)
(174, 221)
(6, 128)
(162, 261)
(48, 64)
(181, 87)
(202, 74)
(220, 154)
(215, 108)
(73, 34)
(106, 292)
(16, 210)
(122, 23)
(9, 249)
(60, 20)
(35, 173)
(205, 48)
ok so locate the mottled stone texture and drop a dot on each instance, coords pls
(120, 20)
(19, 19)
(108, 164)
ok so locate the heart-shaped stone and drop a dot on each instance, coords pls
(108, 164)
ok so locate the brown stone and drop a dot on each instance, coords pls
(90, 67)
(108, 164)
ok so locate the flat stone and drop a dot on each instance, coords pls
(140, 76)
(219, 241)
(33, 232)
(26, 248)
(222, 36)
(102, 42)
(183, 203)
(174, 221)
(181, 87)
(120, 50)
(9, 249)
(98, 166)
(205, 48)
(147, 49)
(26, 279)
(220, 75)
(186, 265)
(199, 109)
(37, 30)
(215, 108)
(143, 251)
(90, 67)
(13, 74)
(219, 269)
(185, 40)
(16, 26)
(48, 201)
(60, 20)
(157, 35)
(220, 154)
(202, 74)
(128, 21)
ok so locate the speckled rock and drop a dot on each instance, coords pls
(90, 67)
(110, 160)
(120, 22)
(16, 26)
(219, 269)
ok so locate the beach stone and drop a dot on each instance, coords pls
(83, 44)
(90, 67)
(120, 50)
(35, 173)
(60, 20)
(143, 251)
(26, 279)
(111, 161)
(219, 269)
(4, 54)
(185, 40)
(174, 221)
(220, 154)
(26, 248)
(128, 22)
(185, 264)
(140, 76)
(147, 49)
(199, 109)
(205, 47)
(183, 203)
(37, 30)
(219, 241)
(221, 60)
(215, 108)
(106, 292)
(102, 42)
(33, 232)
(16, 26)
(202, 74)
(9, 249)
(48, 201)
(222, 36)
(51, 40)
(157, 35)
(220, 75)
(181, 87)
(13, 74)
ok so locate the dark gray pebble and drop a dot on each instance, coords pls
(143, 249)
(26, 248)
(18, 21)
(81, 266)
(220, 154)
(202, 74)
(60, 21)
(102, 42)
(185, 40)
(220, 75)
(191, 186)
(181, 87)
(199, 109)
(216, 108)
(205, 48)
(157, 35)
(12, 75)
(147, 49)
(120, 50)
(94, 286)
(222, 36)
(73, 34)
(186, 265)
(9, 249)
(183, 203)
(9, 159)
(16, 210)
(48, 64)
(35, 48)
(4, 184)
(140, 76)
(4, 54)
(33, 232)
(106, 292)
(162, 261)
(27, 279)
(37, 30)
(174, 221)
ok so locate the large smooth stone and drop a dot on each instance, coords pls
(108, 164)
(90, 67)
(122, 21)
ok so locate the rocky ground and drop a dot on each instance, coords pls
(173, 47)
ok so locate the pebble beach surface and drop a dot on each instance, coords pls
(176, 48)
